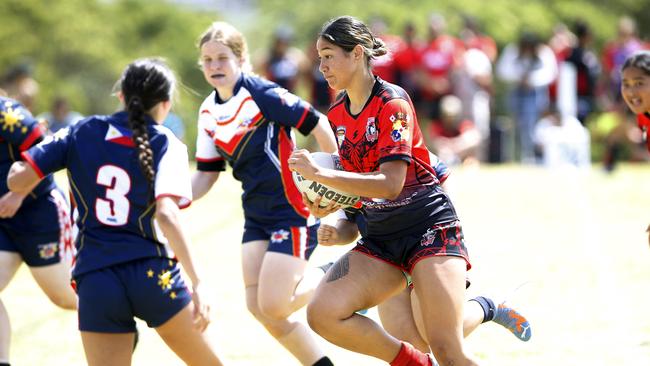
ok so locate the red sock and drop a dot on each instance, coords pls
(409, 356)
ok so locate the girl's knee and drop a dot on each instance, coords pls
(275, 310)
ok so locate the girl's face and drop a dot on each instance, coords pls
(635, 89)
(336, 65)
(221, 68)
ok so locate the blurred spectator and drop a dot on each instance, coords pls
(562, 140)
(60, 115)
(473, 85)
(614, 55)
(407, 61)
(176, 125)
(616, 132)
(528, 67)
(284, 64)
(19, 84)
(384, 66)
(588, 70)
(561, 42)
(474, 38)
(438, 61)
(454, 139)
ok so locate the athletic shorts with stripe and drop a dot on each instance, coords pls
(296, 241)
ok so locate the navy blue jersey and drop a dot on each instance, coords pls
(19, 130)
(116, 203)
(252, 131)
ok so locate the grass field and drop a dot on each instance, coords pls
(578, 241)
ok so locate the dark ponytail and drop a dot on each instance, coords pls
(144, 84)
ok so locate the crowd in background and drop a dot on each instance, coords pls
(551, 101)
(538, 101)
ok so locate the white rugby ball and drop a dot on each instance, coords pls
(314, 189)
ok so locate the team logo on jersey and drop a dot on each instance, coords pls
(371, 130)
(279, 236)
(428, 238)
(400, 126)
(48, 251)
(340, 135)
(119, 135)
(11, 118)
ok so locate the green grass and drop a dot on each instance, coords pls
(578, 240)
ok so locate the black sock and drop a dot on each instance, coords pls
(489, 310)
(325, 361)
(4, 364)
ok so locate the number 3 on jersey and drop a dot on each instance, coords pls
(114, 210)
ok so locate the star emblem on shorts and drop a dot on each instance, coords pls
(172, 295)
(150, 273)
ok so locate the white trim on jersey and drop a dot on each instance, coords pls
(173, 171)
(267, 146)
(205, 148)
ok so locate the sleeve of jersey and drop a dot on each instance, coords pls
(285, 108)
(173, 174)
(395, 131)
(50, 154)
(207, 157)
(19, 127)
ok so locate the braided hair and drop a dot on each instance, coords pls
(145, 83)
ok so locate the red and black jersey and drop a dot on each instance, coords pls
(387, 129)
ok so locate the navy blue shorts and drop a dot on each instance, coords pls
(39, 231)
(297, 241)
(439, 240)
(151, 289)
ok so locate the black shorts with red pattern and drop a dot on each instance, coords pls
(439, 240)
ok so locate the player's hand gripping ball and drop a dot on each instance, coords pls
(314, 189)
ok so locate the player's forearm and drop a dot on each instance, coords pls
(170, 226)
(202, 182)
(22, 178)
(386, 184)
(324, 136)
(347, 232)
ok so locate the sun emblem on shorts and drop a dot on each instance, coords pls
(11, 119)
(165, 280)
(279, 236)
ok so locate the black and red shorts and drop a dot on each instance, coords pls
(439, 240)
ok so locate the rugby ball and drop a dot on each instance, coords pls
(314, 189)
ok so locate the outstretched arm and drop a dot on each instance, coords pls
(22, 178)
(324, 136)
(167, 217)
(202, 182)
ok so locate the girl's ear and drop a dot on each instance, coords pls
(357, 52)
(120, 96)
